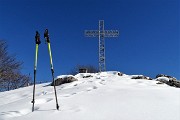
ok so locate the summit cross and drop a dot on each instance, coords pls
(101, 34)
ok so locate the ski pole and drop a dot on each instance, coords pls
(46, 36)
(37, 40)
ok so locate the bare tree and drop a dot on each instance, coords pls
(10, 75)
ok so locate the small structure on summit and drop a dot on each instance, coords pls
(83, 70)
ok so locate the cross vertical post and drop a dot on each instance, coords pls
(101, 34)
(102, 65)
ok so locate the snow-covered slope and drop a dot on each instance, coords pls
(104, 96)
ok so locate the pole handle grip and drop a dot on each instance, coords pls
(37, 38)
(46, 36)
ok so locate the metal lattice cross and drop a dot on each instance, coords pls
(101, 33)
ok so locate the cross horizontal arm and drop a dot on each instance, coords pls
(111, 33)
(106, 33)
(91, 33)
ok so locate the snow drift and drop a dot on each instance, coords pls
(100, 96)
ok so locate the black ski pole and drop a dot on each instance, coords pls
(37, 40)
(46, 36)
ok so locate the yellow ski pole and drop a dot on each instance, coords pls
(37, 40)
(46, 36)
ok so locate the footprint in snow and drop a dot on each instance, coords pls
(43, 93)
(71, 109)
(18, 113)
(42, 101)
(69, 95)
(91, 88)
(101, 82)
(66, 95)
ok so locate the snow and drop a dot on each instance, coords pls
(64, 76)
(102, 96)
(163, 78)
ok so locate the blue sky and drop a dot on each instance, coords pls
(148, 43)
